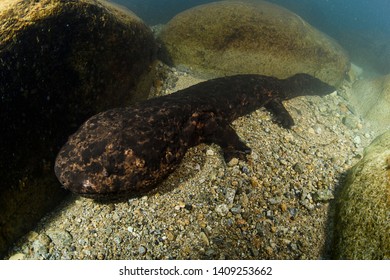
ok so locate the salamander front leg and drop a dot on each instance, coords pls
(232, 146)
(280, 115)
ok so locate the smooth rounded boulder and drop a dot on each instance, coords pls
(251, 37)
(60, 63)
(370, 99)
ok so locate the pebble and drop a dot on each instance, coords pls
(236, 209)
(41, 247)
(317, 129)
(274, 201)
(230, 195)
(222, 209)
(299, 167)
(323, 195)
(142, 250)
(32, 235)
(130, 229)
(350, 121)
(357, 140)
(60, 237)
(233, 162)
(17, 256)
(204, 239)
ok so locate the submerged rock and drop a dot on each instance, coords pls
(371, 99)
(362, 223)
(234, 37)
(60, 63)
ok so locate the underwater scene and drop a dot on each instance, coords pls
(176, 130)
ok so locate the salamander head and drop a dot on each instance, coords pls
(304, 84)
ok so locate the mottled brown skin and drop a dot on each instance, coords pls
(127, 151)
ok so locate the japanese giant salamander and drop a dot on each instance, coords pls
(127, 151)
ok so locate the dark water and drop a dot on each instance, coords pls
(362, 27)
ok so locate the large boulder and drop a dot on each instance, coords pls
(232, 37)
(60, 62)
(370, 99)
(362, 223)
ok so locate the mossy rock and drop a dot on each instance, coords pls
(362, 222)
(242, 37)
(60, 63)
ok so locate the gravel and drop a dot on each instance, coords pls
(275, 205)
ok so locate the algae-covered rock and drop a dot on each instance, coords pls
(233, 37)
(362, 223)
(60, 62)
(371, 99)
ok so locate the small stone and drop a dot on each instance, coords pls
(261, 231)
(236, 209)
(307, 204)
(170, 236)
(293, 212)
(289, 138)
(188, 207)
(323, 195)
(142, 250)
(219, 240)
(130, 229)
(322, 108)
(254, 251)
(222, 209)
(298, 167)
(357, 140)
(210, 252)
(317, 129)
(60, 237)
(117, 240)
(204, 238)
(269, 214)
(293, 246)
(100, 256)
(115, 217)
(210, 152)
(241, 222)
(108, 230)
(254, 182)
(269, 250)
(41, 246)
(234, 183)
(350, 121)
(283, 161)
(274, 200)
(17, 256)
(233, 162)
(244, 200)
(32, 235)
(230, 195)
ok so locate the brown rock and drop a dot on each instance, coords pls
(60, 62)
(233, 37)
